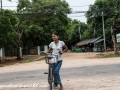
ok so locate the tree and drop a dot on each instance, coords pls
(111, 14)
(35, 11)
(33, 36)
(115, 15)
(7, 37)
(75, 38)
(38, 33)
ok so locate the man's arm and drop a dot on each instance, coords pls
(45, 52)
(65, 48)
(49, 50)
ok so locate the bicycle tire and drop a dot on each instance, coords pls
(50, 78)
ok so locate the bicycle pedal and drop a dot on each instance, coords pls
(45, 72)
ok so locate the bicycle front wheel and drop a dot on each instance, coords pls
(50, 78)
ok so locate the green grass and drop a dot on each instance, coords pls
(26, 61)
(29, 60)
(107, 56)
(1, 65)
(41, 59)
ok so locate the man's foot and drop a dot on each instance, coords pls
(55, 85)
(61, 87)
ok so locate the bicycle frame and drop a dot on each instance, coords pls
(50, 75)
(50, 72)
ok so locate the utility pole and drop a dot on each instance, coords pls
(1, 5)
(79, 33)
(94, 32)
(103, 30)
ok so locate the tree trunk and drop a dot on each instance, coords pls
(113, 28)
(18, 49)
(114, 41)
(18, 52)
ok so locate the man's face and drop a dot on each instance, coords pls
(54, 37)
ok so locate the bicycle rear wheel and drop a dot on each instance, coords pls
(50, 78)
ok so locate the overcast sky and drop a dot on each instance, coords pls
(76, 5)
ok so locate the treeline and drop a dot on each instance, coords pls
(34, 21)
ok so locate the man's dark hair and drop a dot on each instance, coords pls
(55, 33)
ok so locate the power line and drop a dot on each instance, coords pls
(13, 1)
(80, 6)
(76, 12)
(9, 6)
(73, 12)
(69, 6)
(76, 16)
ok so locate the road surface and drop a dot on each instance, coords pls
(80, 71)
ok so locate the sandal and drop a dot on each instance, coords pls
(55, 85)
(61, 88)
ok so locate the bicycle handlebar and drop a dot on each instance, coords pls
(56, 54)
(51, 58)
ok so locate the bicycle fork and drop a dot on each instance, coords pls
(50, 76)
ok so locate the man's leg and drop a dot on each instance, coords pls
(57, 79)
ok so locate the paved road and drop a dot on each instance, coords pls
(79, 72)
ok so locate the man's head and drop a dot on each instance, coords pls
(55, 36)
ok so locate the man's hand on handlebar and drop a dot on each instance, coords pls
(43, 52)
(60, 52)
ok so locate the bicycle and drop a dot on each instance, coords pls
(51, 60)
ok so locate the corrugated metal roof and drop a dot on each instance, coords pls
(85, 42)
(100, 40)
(93, 41)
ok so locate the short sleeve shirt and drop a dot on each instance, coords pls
(56, 48)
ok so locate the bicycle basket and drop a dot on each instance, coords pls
(50, 59)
